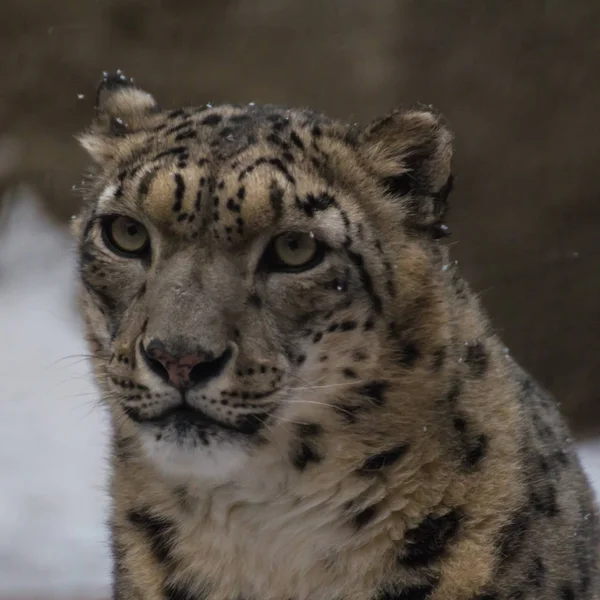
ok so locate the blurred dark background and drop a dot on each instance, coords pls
(519, 83)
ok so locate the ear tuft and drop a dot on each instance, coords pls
(410, 151)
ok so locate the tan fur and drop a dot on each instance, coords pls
(399, 452)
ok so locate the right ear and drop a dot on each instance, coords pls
(121, 110)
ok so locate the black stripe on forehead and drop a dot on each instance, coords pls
(263, 160)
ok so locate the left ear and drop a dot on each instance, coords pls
(411, 153)
(121, 109)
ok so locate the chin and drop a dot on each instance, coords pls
(210, 455)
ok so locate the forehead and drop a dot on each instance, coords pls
(230, 169)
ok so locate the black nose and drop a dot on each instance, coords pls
(183, 370)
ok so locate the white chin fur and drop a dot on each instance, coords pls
(217, 462)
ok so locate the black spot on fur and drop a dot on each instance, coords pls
(409, 354)
(211, 120)
(439, 356)
(369, 325)
(305, 430)
(255, 300)
(276, 198)
(453, 393)
(475, 451)
(567, 592)
(380, 461)
(374, 390)
(243, 118)
(174, 114)
(537, 573)
(295, 139)
(302, 454)
(146, 182)
(477, 359)
(176, 151)
(311, 203)
(364, 517)
(251, 423)
(473, 448)
(398, 185)
(413, 592)
(190, 134)
(544, 499)
(428, 541)
(124, 447)
(159, 532)
(275, 162)
(179, 191)
(512, 537)
(184, 125)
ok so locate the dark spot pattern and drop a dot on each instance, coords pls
(537, 573)
(311, 204)
(413, 592)
(476, 358)
(250, 424)
(567, 592)
(303, 449)
(158, 531)
(439, 356)
(544, 500)
(409, 353)
(374, 391)
(472, 447)
(276, 194)
(427, 542)
(380, 461)
(512, 537)
(124, 447)
(364, 517)
(179, 191)
(304, 453)
(211, 120)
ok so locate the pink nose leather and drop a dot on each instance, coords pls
(177, 368)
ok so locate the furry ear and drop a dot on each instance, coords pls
(121, 109)
(411, 153)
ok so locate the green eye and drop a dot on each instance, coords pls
(294, 251)
(125, 236)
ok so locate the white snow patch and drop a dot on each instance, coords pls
(53, 539)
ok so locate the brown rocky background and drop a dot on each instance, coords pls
(518, 81)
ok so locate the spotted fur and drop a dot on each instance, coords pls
(364, 435)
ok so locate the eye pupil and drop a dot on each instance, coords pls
(293, 252)
(125, 236)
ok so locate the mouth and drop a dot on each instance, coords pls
(185, 417)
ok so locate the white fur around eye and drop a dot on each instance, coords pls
(108, 194)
